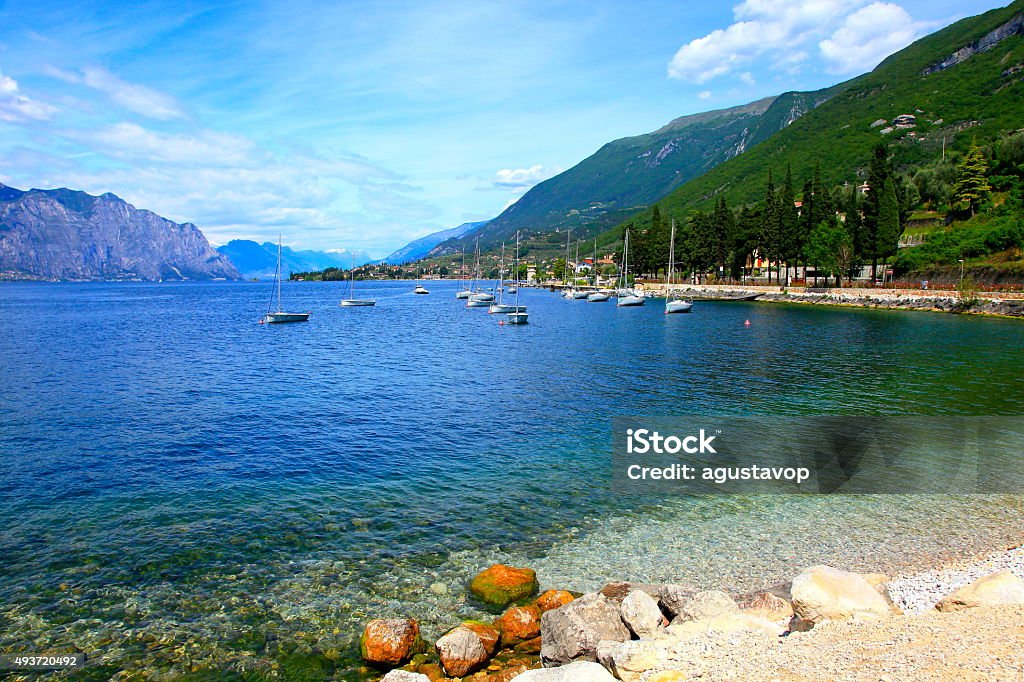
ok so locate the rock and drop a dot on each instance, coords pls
(727, 622)
(672, 598)
(389, 642)
(404, 676)
(433, 671)
(531, 646)
(628, 661)
(617, 591)
(824, 593)
(641, 614)
(708, 604)
(573, 631)
(769, 606)
(996, 589)
(466, 648)
(579, 671)
(500, 585)
(552, 599)
(518, 624)
(508, 674)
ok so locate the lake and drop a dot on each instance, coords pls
(180, 483)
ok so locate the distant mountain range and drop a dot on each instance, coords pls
(255, 260)
(62, 234)
(627, 175)
(419, 248)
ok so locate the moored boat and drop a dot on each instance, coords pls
(279, 316)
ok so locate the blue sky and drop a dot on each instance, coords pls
(367, 124)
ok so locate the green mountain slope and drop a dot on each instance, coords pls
(629, 174)
(963, 82)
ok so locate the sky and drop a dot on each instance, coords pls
(368, 124)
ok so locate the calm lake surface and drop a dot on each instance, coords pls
(182, 487)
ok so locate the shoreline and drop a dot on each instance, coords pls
(913, 587)
(990, 304)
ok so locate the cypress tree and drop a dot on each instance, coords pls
(971, 185)
(789, 223)
(877, 175)
(768, 237)
(889, 226)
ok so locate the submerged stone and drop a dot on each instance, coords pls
(500, 585)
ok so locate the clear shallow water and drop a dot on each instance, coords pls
(174, 472)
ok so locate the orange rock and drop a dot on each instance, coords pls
(552, 599)
(518, 623)
(500, 585)
(467, 648)
(531, 646)
(389, 642)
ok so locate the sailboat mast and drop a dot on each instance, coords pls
(671, 262)
(517, 271)
(278, 276)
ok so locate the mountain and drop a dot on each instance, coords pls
(626, 175)
(62, 234)
(419, 248)
(260, 260)
(961, 83)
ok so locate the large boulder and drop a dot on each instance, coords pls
(727, 622)
(769, 606)
(500, 585)
(993, 590)
(641, 614)
(628, 661)
(404, 676)
(573, 631)
(518, 624)
(708, 604)
(672, 598)
(552, 599)
(390, 642)
(580, 671)
(467, 648)
(823, 593)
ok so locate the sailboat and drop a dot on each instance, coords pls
(420, 289)
(596, 296)
(352, 301)
(627, 296)
(478, 299)
(577, 294)
(464, 292)
(280, 316)
(519, 315)
(673, 305)
(499, 306)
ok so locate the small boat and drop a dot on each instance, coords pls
(503, 308)
(673, 304)
(420, 289)
(579, 295)
(473, 303)
(627, 297)
(280, 316)
(463, 293)
(597, 297)
(481, 297)
(519, 315)
(512, 290)
(352, 301)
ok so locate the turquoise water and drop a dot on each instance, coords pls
(180, 483)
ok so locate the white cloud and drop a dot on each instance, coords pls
(15, 106)
(785, 33)
(859, 44)
(704, 95)
(131, 96)
(523, 178)
(747, 78)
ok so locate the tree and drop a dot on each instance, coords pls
(789, 241)
(877, 174)
(559, 269)
(768, 239)
(829, 248)
(889, 226)
(972, 184)
(723, 227)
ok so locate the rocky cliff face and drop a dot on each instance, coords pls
(1014, 26)
(62, 234)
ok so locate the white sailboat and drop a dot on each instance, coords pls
(478, 299)
(519, 315)
(673, 305)
(596, 296)
(352, 301)
(627, 297)
(280, 315)
(500, 306)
